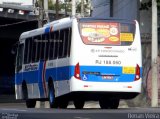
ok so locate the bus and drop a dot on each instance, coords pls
(79, 59)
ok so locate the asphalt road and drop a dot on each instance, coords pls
(134, 113)
(19, 111)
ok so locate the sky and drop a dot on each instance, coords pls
(24, 2)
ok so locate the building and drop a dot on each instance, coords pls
(21, 2)
(123, 9)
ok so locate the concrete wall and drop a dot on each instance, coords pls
(101, 8)
(125, 9)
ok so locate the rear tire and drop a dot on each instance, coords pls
(115, 104)
(109, 103)
(63, 103)
(79, 104)
(30, 103)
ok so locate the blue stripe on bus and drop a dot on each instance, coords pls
(40, 78)
(114, 71)
(47, 29)
(65, 73)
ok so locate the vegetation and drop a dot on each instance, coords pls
(67, 5)
(61, 6)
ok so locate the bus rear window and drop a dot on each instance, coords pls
(127, 33)
(106, 33)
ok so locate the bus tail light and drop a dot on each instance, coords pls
(137, 75)
(77, 71)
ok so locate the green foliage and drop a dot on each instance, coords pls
(50, 5)
(66, 5)
(78, 8)
(158, 3)
(62, 6)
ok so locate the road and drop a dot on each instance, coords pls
(139, 113)
(19, 111)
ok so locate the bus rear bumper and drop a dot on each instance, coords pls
(80, 85)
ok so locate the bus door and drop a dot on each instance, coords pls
(19, 62)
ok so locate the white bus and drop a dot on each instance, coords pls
(79, 59)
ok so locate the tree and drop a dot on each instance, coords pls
(67, 5)
(86, 7)
(50, 5)
(62, 6)
(57, 9)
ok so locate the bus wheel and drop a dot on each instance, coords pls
(51, 96)
(79, 104)
(63, 103)
(109, 103)
(115, 104)
(30, 103)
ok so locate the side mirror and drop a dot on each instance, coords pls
(14, 49)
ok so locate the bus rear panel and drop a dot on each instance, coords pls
(106, 57)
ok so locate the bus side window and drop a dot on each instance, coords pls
(51, 45)
(69, 41)
(61, 42)
(56, 42)
(26, 51)
(36, 41)
(42, 47)
(19, 59)
(66, 34)
(34, 44)
(28, 48)
(46, 46)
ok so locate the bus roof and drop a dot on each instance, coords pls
(65, 23)
(56, 25)
(104, 19)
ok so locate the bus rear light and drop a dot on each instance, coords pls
(108, 47)
(77, 71)
(86, 86)
(129, 87)
(137, 75)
